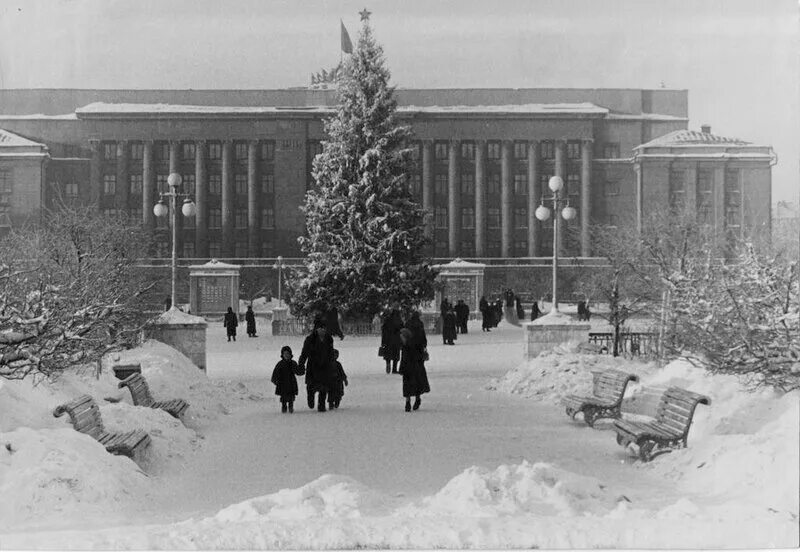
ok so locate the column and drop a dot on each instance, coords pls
(201, 199)
(480, 198)
(148, 185)
(637, 168)
(560, 170)
(453, 198)
(427, 188)
(586, 196)
(506, 197)
(253, 243)
(691, 189)
(719, 198)
(95, 173)
(123, 182)
(228, 240)
(174, 167)
(534, 198)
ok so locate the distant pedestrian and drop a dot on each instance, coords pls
(285, 380)
(230, 323)
(167, 303)
(321, 368)
(581, 310)
(535, 312)
(390, 340)
(332, 318)
(250, 318)
(336, 394)
(462, 316)
(486, 315)
(498, 311)
(449, 328)
(520, 309)
(415, 377)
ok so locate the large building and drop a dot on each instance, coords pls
(483, 160)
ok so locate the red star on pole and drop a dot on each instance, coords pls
(365, 14)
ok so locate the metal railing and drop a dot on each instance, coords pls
(630, 343)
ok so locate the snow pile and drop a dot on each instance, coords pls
(551, 376)
(540, 489)
(60, 478)
(261, 305)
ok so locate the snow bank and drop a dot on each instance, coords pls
(59, 478)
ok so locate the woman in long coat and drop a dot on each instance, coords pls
(449, 327)
(415, 377)
(390, 340)
(318, 361)
(230, 323)
(250, 318)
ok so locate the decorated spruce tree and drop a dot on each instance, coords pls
(365, 236)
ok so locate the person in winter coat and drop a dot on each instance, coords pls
(332, 319)
(486, 315)
(230, 323)
(449, 328)
(417, 328)
(520, 310)
(336, 394)
(462, 316)
(250, 318)
(283, 376)
(535, 312)
(319, 364)
(498, 311)
(390, 340)
(415, 377)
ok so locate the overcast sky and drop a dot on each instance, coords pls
(737, 58)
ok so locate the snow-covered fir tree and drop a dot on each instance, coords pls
(365, 236)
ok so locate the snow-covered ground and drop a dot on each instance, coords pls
(490, 460)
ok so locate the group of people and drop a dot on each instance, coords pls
(404, 349)
(231, 322)
(454, 319)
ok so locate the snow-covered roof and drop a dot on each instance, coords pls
(459, 263)
(646, 117)
(685, 137)
(9, 139)
(177, 316)
(15, 146)
(583, 108)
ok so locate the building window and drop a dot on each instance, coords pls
(705, 194)
(161, 183)
(215, 218)
(268, 151)
(677, 189)
(520, 150)
(214, 151)
(137, 151)
(6, 182)
(241, 218)
(733, 199)
(493, 184)
(521, 184)
(267, 249)
(240, 184)
(440, 184)
(415, 184)
(441, 248)
(611, 150)
(189, 184)
(573, 184)
(215, 184)
(189, 223)
(267, 184)
(109, 151)
(468, 183)
(611, 188)
(493, 150)
(468, 218)
(188, 249)
(611, 221)
(493, 248)
(240, 151)
(162, 152)
(109, 184)
(493, 217)
(440, 217)
(111, 212)
(214, 249)
(187, 151)
(520, 248)
(468, 151)
(135, 214)
(136, 184)
(520, 217)
(70, 188)
(467, 247)
(548, 149)
(240, 249)
(573, 150)
(440, 151)
(268, 218)
(544, 184)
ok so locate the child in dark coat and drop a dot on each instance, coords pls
(336, 394)
(283, 376)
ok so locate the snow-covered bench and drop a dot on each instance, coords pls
(85, 416)
(140, 393)
(608, 387)
(670, 428)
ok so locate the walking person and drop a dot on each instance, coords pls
(462, 315)
(285, 380)
(336, 394)
(417, 328)
(390, 340)
(498, 311)
(332, 318)
(486, 315)
(449, 327)
(535, 312)
(319, 364)
(415, 377)
(520, 309)
(230, 323)
(250, 318)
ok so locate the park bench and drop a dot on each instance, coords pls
(140, 393)
(670, 428)
(85, 416)
(608, 387)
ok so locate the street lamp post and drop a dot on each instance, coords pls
(279, 267)
(161, 210)
(556, 184)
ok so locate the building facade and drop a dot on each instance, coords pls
(483, 158)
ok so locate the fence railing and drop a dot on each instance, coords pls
(630, 343)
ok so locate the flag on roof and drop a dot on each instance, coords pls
(347, 45)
